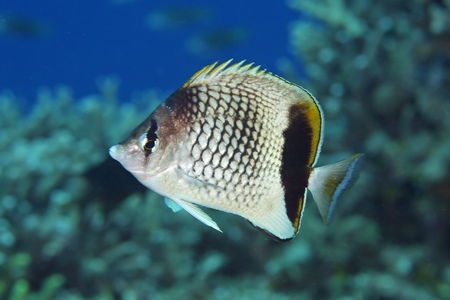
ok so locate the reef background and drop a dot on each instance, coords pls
(75, 225)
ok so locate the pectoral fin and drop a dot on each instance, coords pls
(193, 181)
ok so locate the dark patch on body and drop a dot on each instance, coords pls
(295, 171)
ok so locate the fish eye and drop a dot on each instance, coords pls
(148, 144)
(149, 141)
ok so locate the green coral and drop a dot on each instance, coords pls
(45, 194)
(382, 73)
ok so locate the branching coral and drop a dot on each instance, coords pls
(382, 72)
(45, 194)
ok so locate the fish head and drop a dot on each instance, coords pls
(149, 149)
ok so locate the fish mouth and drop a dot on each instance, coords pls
(122, 154)
(114, 152)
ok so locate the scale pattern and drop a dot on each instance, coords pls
(234, 134)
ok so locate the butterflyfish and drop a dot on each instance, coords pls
(238, 139)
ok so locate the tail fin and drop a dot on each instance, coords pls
(327, 183)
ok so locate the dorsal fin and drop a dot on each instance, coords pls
(212, 71)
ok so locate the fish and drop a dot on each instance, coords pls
(238, 139)
(217, 39)
(22, 26)
(176, 17)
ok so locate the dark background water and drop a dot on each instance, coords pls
(75, 42)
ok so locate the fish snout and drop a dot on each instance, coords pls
(114, 152)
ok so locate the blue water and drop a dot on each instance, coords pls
(85, 40)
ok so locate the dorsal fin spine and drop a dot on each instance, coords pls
(225, 68)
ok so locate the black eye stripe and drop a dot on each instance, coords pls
(151, 138)
(151, 133)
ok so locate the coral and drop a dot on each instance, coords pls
(46, 157)
(381, 71)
